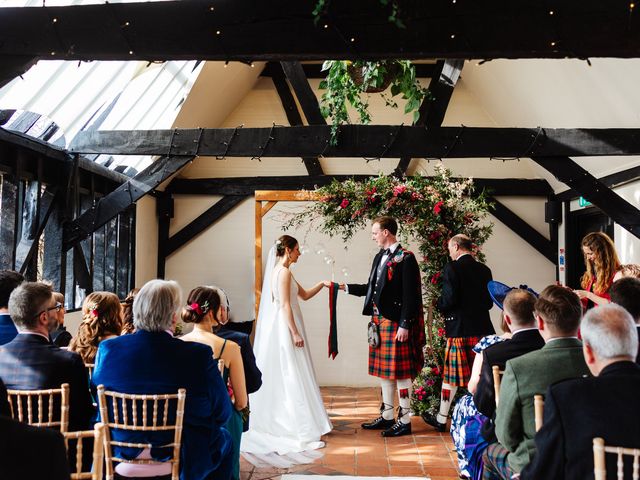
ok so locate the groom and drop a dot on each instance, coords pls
(393, 298)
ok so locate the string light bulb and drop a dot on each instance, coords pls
(553, 44)
(211, 9)
(326, 25)
(126, 24)
(551, 12)
(218, 32)
(353, 39)
(632, 6)
(53, 53)
(55, 20)
(453, 35)
(130, 52)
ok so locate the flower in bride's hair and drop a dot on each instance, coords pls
(278, 242)
(194, 307)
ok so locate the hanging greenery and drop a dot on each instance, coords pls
(346, 82)
(430, 210)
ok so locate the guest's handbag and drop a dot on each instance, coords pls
(373, 334)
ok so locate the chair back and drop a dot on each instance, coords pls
(599, 461)
(538, 406)
(98, 451)
(89, 367)
(497, 377)
(39, 407)
(141, 413)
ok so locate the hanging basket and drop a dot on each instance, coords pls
(356, 74)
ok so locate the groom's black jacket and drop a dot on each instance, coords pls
(398, 299)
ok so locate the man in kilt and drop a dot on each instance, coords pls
(465, 305)
(393, 299)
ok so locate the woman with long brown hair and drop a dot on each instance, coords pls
(602, 263)
(127, 313)
(101, 319)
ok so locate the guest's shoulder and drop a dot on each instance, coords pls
(523, 362)
(240, 338)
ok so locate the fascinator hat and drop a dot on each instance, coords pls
(498, 291)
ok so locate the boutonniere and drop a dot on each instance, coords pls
(397, 257)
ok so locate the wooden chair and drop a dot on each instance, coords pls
(538, 405)
(98, 451)
(40, 406)
(141, 413)
(599, 462)
(497, 378)
(89, 367)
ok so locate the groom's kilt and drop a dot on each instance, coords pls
(393, 360)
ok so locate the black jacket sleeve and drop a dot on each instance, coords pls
(484, 398)
(357, 289)
(411, 292)
(449, 298)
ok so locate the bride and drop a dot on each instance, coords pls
(287, 413)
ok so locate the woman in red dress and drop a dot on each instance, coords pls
(602, 263)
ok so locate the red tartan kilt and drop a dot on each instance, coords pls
(393, 360)
(458, 360)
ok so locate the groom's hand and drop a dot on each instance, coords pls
(402, 335)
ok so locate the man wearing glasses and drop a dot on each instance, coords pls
(31, 362)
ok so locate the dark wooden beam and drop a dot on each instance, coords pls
(302, 89)
(122, 198)
(9, 221)
(312, 164)
(525, 231)
(13, 66)
(203, 222)
(613, 180)
(370, 141)
(248, 185)
(81, 270)
(28, 245)
(589, 187)
(247, 30)
(313, 70)
(164, 210)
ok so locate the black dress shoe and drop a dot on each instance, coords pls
(399, 429)
(433, 421)
(378, 424)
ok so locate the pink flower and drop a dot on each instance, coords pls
(441, 332)
(430, 382)
(94, 312)
(371, 192)
(437, 208)
(344, 203)
(416, 196)
(399, 190)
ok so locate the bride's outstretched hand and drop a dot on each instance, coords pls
(326, 283)
(298, 341)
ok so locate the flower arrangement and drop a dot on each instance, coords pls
(430, 210)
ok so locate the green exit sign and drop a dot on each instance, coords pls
(583, 202)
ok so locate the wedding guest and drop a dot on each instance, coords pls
(576, 411)
(628, 270)
(602, 263)
(9, 280)
(558, 311)
(626, 293)
(152, 361)
(127, 312)
(101, 319)
(204, 309)
(59, 335)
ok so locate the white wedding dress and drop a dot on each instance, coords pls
(287, 413)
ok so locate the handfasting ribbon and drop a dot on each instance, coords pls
(334, 288)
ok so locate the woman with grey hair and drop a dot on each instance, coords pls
(152, 361)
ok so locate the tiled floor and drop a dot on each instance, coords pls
(350, 450)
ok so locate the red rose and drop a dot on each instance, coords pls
(435, 235)
(435, 371)
(435, 278)
(437, 208)
(344, 203)
(441, 332)
(399, 190)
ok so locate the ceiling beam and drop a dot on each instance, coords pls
(314, 70)
(13, 66)
(370, 141)
(586, 185)
(248, 185)
(612, 181)
(246, 30)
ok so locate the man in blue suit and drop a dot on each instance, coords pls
(9, 280)
(153, 361)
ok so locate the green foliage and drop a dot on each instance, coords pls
(430, 210)
(343, 87)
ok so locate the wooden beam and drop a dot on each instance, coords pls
(248, 185)
(312, 164)
(9, 221)
(313, 70)
(81, 270)
(612, 181)
(525, 231)
(14, 66)
(202, 223)
(589, 187)
(123, 197)
(302, 89)
(164, 210)
(369, 141)
(248, 31)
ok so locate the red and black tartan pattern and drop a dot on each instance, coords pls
(458, 359)
(395, 360)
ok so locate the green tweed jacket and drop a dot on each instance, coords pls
(525, 377)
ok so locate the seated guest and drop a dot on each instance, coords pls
(31, 362)
(101, 319)
(59, 335)
(577, 410)
(558, 311)
(127, 312)
(204, 309)
(152, 361)
(626, 293)
(4, 401)
(9, 280)
(252, 374)
(32, 453)
(525, 338)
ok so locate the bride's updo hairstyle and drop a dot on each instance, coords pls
(201, 300)
(284, 242)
